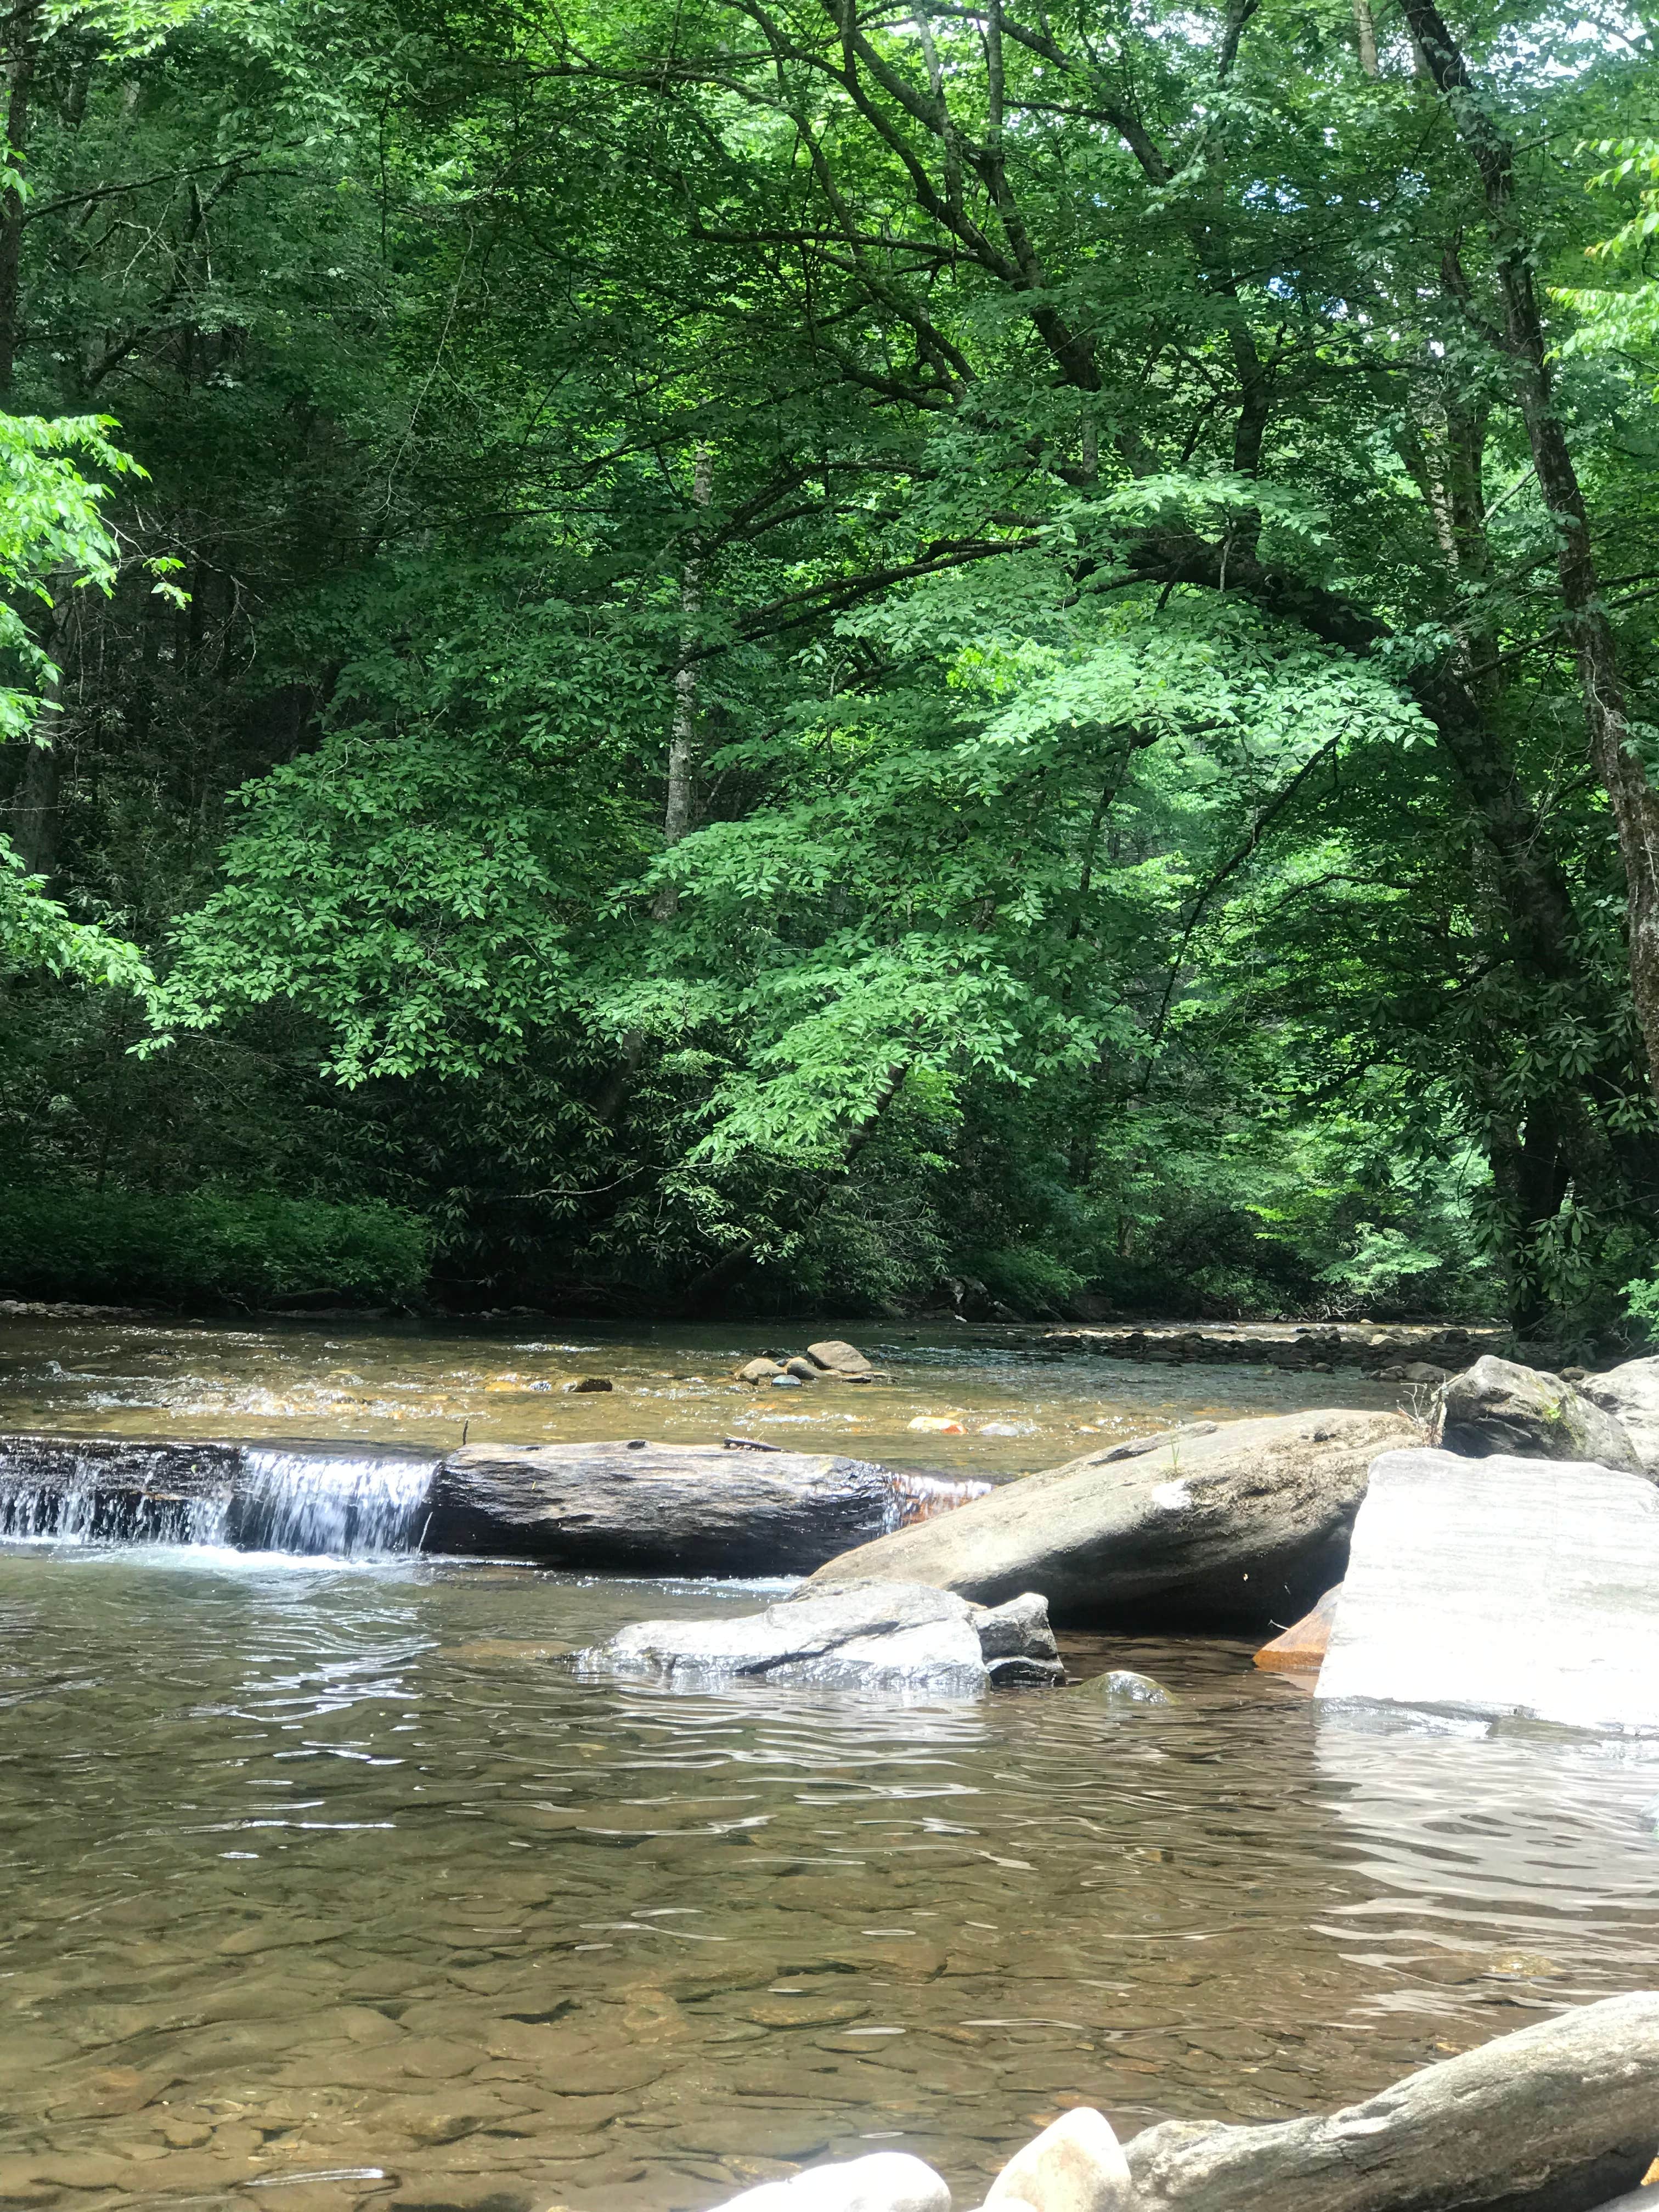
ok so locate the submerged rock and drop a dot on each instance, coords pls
(1226, 1530)
(1555, 2119)
(1075, 2166)
(1301, 1649)
(1496, 1406)
(1123, 1685)
(1503, 1587)
(886, 2181)
(581, 1385)
(890, 1638)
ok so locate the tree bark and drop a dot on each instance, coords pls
(680, 806)
(21, 51)
(1634, 802)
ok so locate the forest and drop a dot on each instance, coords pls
(702, 655)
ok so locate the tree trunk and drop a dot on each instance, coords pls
(1366, 31)
(683, 727)
(1634, 801)
(22, 48)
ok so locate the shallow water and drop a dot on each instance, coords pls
(338, 1882)
(1020, 1408)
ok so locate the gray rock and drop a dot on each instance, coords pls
(838, 1358)
(1555, 2119)
(802, 1370)
(668, 1508)
(1502, 1587)
(582, 1385)
(1496, 1406)
(1238, 1528)
(1630, 1393)
(785, 1383)
(893, 1638)
(1017, 1643)
(886, 2181)
(757, 1370)
(1077, 2165)
(1123, 1685)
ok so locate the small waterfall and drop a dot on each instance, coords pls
(321, 1500)
(349, 1506)
(30, 1515)
(922, 1497)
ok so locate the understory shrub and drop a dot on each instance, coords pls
(207, 1247)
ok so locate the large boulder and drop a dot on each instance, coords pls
(1501, 1587)
(833, 1355)
(892, 1639)
(1630, 1394)
(1233, 1529)
(1496, 1406)
(672, 1508)
(1560, 2116)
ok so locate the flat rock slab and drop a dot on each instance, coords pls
(1557, 2118)
(1233, 1529)
(890, 1639)
(663, 1509)
(1503, 1587)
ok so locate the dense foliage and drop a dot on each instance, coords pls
(770, 650)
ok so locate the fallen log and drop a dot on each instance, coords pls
(1557, 2118)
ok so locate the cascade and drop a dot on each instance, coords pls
(320, 1500)
(344, 1505)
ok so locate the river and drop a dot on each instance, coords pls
(331, 1883)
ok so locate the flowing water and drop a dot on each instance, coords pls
(1019, 1406)
(332, 1882)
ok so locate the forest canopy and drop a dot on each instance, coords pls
(784, 651)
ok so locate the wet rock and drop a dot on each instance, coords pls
(1630, 1394)
(894, 1640)
(939, 1425)
(1017, 1643)
(1075, 2166)
(1230, 1530)
(785, 1383)
(802, 1370)
(1561, 2115)
(882, 1637)
(1496, 1406)
(1301, 1649)
(663, 1509)
(839, 1357)
(1502, 1586)
(757, 1370)
(886, 2181)
(580, 1385)
(1123, 1685)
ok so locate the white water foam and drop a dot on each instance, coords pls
(339, 1505)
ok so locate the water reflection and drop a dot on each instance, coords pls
(331, 1877)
